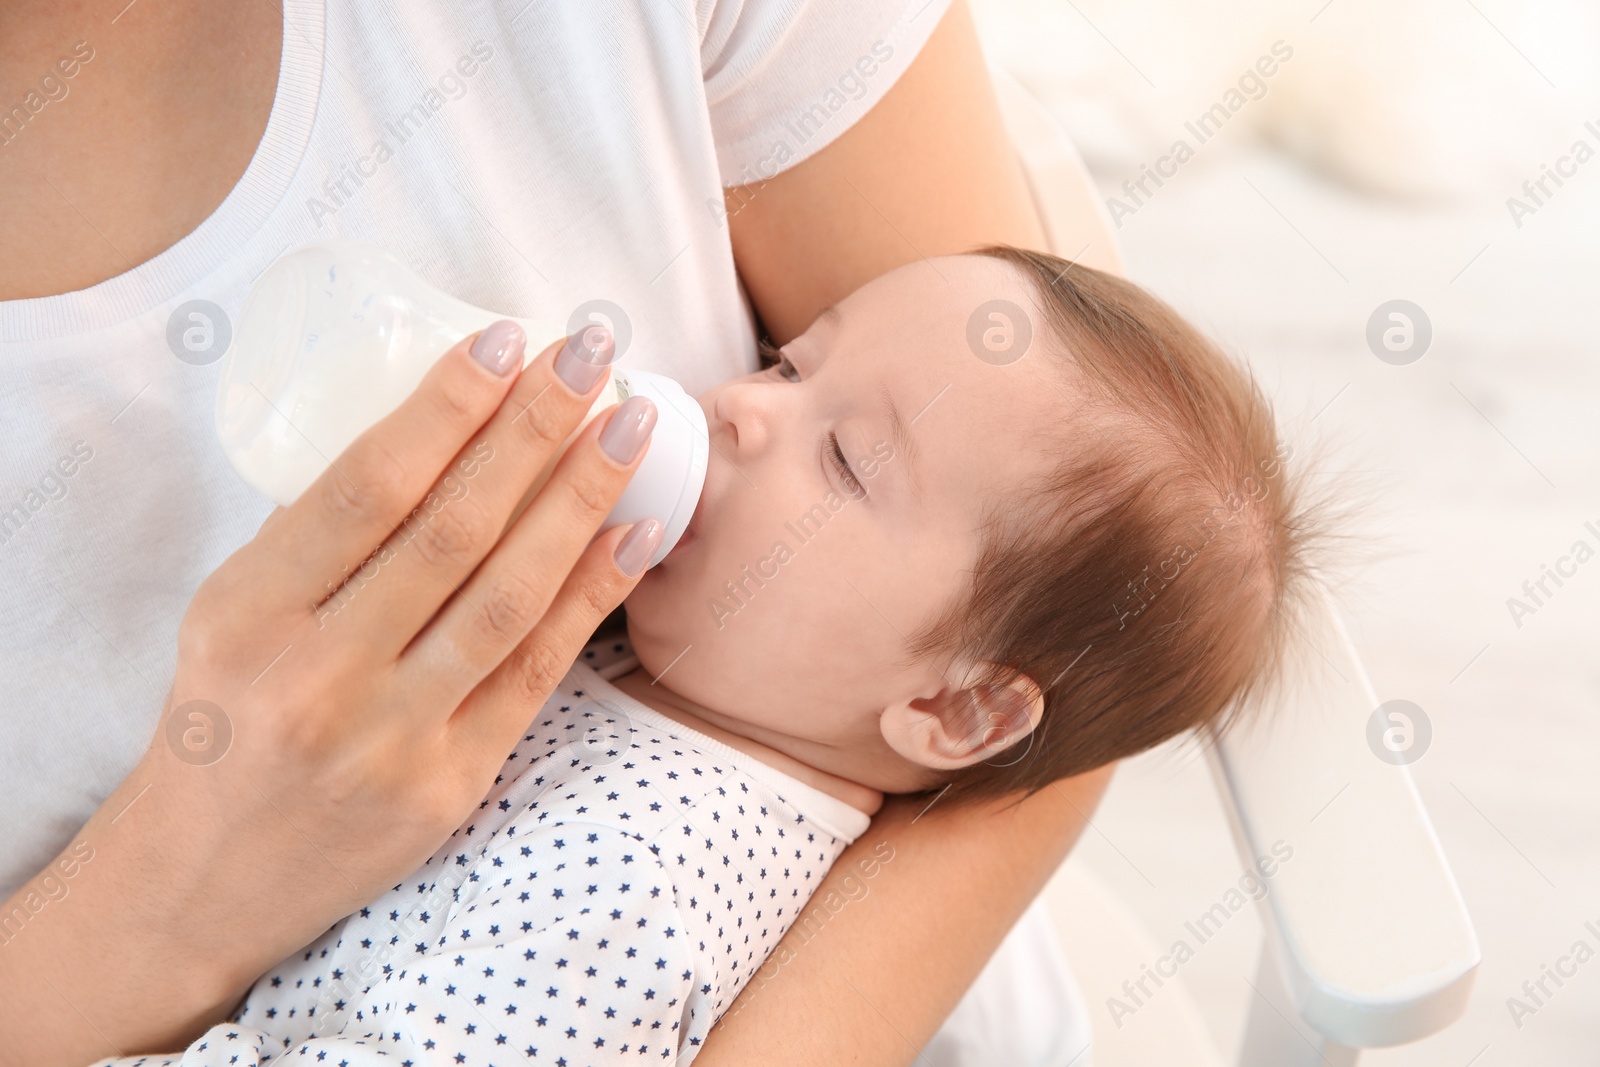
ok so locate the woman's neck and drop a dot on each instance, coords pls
(658, 698)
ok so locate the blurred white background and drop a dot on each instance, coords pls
(1377, 165)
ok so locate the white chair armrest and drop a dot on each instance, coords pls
(1366, 923)
(1369, 930)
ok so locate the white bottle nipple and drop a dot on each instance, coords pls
(336, 334)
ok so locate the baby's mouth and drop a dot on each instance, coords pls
(689, 532)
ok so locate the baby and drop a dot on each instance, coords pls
(993, 520)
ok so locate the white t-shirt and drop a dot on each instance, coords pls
(606, 903)
(527, 156)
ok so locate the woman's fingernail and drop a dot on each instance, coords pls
(637, 546)
(499, 347)
(625, 435)
(585, 357)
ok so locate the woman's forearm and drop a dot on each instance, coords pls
(100, 946)
(900, 928)
(929, 171)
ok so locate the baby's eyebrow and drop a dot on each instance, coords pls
(900, 437)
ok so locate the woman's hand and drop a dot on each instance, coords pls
(348, 684)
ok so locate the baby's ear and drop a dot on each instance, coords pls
(957, 727)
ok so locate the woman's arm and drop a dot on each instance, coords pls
(929, 171)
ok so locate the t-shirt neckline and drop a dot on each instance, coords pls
(828, 812)
(235, 221)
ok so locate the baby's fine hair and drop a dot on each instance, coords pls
(1148, 584)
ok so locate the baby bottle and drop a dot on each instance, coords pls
(336, 334)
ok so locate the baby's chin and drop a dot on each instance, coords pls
(659, 604)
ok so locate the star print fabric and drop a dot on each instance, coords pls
(604, 905)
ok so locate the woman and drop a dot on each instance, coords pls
(530, 158)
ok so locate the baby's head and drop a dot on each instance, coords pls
(993, 520)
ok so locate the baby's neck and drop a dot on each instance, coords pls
(658, 698)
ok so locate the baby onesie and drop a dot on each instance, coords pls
(605, 904)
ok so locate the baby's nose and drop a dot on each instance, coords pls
(744, 411)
